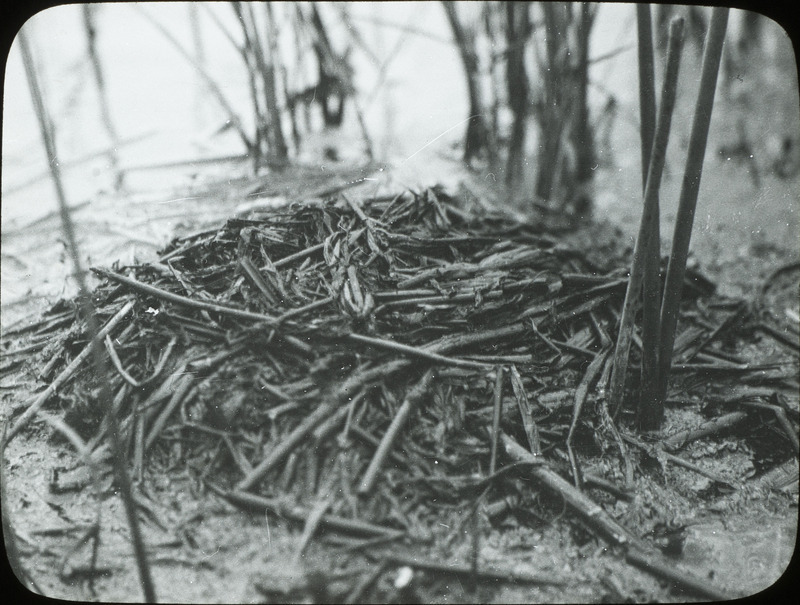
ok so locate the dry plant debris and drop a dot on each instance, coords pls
(378, 366)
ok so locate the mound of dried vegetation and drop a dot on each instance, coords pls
(395, 366)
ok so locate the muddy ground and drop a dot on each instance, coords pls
(205, 550)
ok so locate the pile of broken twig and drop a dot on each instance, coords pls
(374, 366)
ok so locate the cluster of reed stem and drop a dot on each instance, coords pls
(660, 311)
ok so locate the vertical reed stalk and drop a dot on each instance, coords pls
(651, 286)
(89, 317)
(258, 64)
(279, 150)
(649, 214)
(249, 56)
(90, 27)
(687, 203)
(565, 138)
(647, 85)
(551, 121)
(517, 31)
(477, 137)
(581, 130)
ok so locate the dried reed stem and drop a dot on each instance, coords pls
(410, 403)
(649, 215)
(497, 409)
(687, 203)
(647, 86)
(651, 285)
(647, 108)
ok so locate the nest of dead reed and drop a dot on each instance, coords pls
(357, 353)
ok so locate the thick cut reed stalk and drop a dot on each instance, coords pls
(651, 286)
(90, 318)
(687, 203)
(650, 213)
